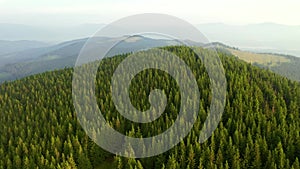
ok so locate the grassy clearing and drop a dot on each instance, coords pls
(265, 59)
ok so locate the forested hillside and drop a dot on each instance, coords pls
(259, 128)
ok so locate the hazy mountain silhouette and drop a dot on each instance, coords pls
(20, 64)
(264, 37)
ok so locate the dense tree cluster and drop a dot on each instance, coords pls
(259, 128)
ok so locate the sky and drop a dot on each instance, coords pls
(74, 12)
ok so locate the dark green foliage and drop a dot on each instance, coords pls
(259, 128)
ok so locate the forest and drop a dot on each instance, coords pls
(260, 126)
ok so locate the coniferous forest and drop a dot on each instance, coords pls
(260, 127)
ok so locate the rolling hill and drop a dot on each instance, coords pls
(259, 128)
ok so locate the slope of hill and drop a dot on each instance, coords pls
(31, 54)
(259, 128)
(7, 47)
(284, 65)
(20, 64)
(287, 69)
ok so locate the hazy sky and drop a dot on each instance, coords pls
(73, 12)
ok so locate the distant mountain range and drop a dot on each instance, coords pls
(263, 37)
(7, 47)
(35, 59)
